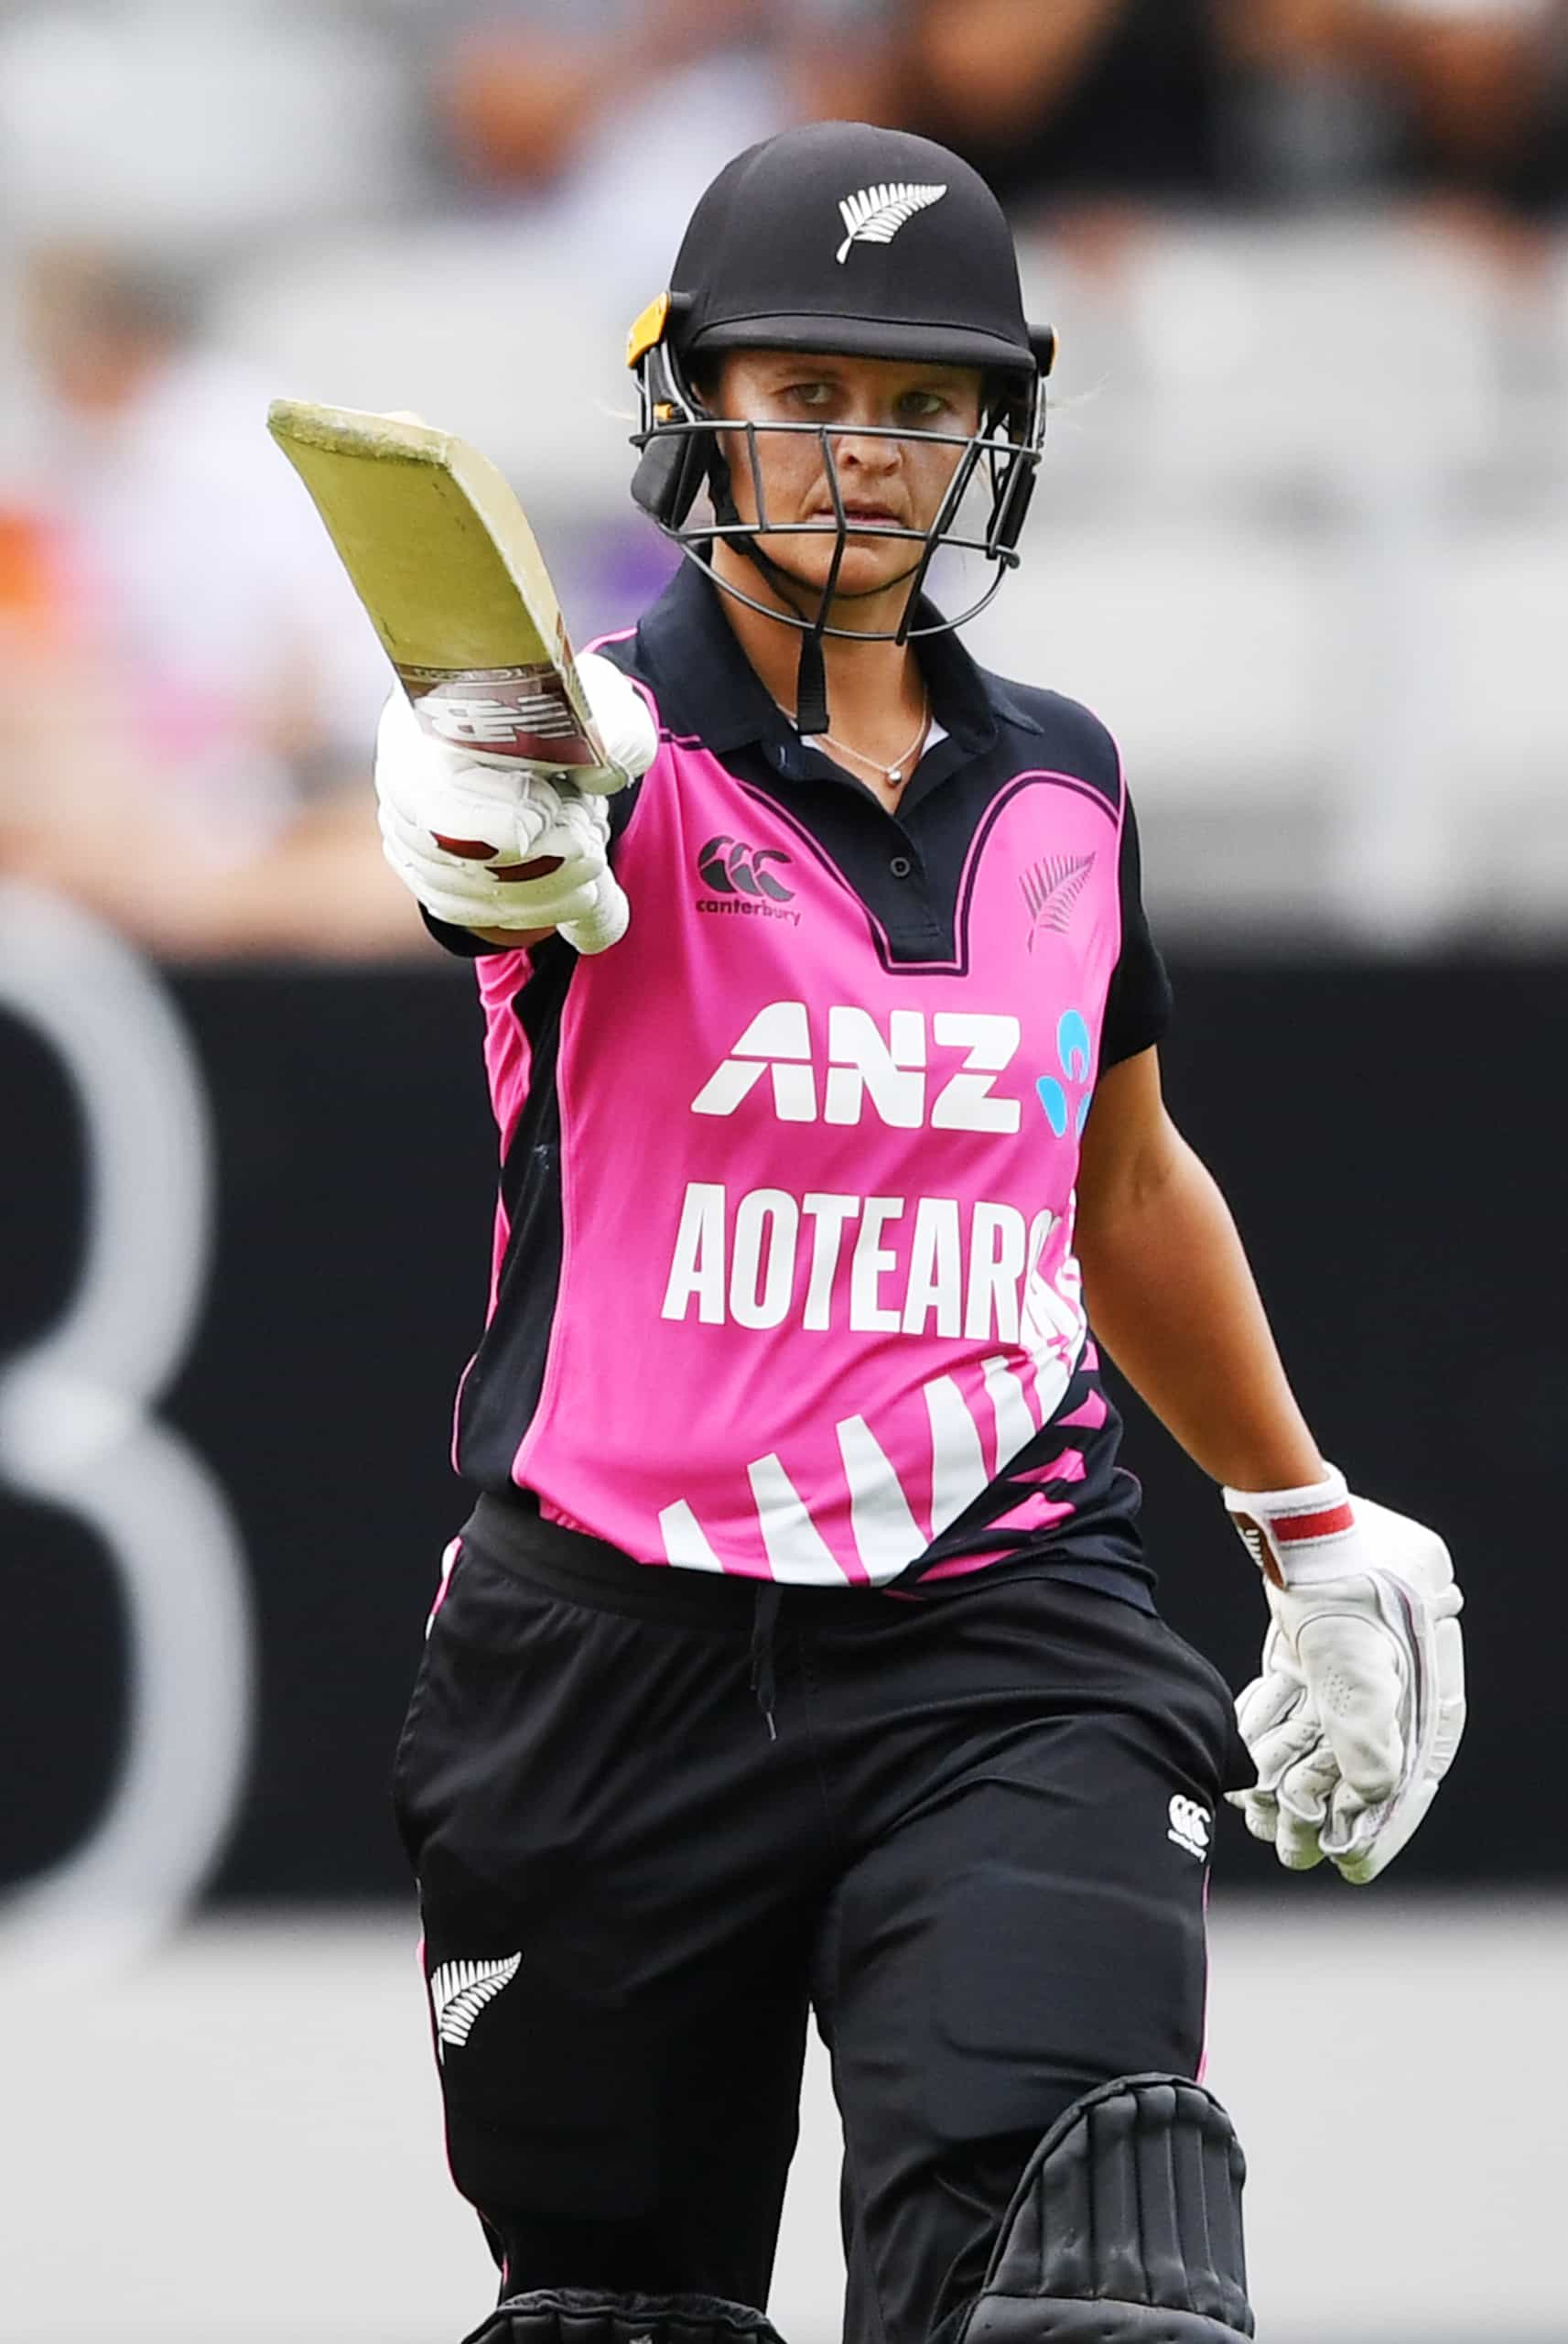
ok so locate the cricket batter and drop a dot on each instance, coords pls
(800, 1652)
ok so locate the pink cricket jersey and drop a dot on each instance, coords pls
(783, 1281)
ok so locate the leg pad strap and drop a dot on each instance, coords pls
(1126, 2228)
(583, 2315)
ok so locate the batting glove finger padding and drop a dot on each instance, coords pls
(622, 722)
(1280, 1728)
(469, 893)
(1356, 1718)
(483, 848)
(460, 802)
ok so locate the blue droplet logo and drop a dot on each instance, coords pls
(1074, 1053)
(1072, 1045)
(1053, 1099)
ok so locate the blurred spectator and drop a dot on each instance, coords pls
(607, 119)
(1451, 98)
(1483, 88)
(1149, 101)
(1083, 98)
(1310, 120)
(188, 686)
(523, 96)
(1102, 111)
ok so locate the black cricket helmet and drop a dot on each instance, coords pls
(849, 240)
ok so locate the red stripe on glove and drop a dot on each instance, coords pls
(1330, 1523)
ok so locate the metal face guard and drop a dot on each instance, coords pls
(682, 452)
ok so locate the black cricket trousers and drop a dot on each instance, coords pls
(657, 1816)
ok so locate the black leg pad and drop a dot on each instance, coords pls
(583, 2315)
(1126, 2228)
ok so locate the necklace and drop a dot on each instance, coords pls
(893, 772)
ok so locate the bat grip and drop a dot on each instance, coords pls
(606, 924)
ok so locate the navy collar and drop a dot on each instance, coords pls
(706, 686)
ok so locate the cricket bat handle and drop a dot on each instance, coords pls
(606, 924)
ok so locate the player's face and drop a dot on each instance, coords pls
(885, 483)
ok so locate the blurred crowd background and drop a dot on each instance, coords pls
(1303, 534)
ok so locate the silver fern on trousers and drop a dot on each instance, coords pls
(459, 1991)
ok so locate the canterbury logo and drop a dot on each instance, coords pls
(877, 213)
(1189, 1826)
(1051, 888)
(731, 868)
(459, 1991)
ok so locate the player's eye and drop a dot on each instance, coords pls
(811, 395)
(923, 407)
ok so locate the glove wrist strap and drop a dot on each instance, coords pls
(1295, 1536)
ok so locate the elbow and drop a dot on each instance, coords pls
(1138, 1182)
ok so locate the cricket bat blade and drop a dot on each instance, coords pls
(441, 555)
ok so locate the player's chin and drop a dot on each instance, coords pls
(872, 562)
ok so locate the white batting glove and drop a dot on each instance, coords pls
(1359, 1710)
(507, 844)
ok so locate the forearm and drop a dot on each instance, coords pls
(1172, 1298)
(319, 892)
(513, 940)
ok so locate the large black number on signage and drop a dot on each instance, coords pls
(79, 1430)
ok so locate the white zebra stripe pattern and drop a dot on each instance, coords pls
(885, 1531)
(539, 713)
(472, 719)
(459, 1991)
(877, 213)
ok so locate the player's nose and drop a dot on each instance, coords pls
(864, 442)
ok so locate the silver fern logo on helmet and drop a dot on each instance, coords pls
(877, 213)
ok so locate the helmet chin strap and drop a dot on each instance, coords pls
(811, 688)
(811, 717)
(811, 675)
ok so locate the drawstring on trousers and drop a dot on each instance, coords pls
(764, 1621)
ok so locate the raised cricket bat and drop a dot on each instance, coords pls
(441, 556)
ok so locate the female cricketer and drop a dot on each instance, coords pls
(799, 1654)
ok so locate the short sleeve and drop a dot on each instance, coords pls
(1138, 1007)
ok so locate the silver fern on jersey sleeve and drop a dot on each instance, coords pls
(877, 213)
